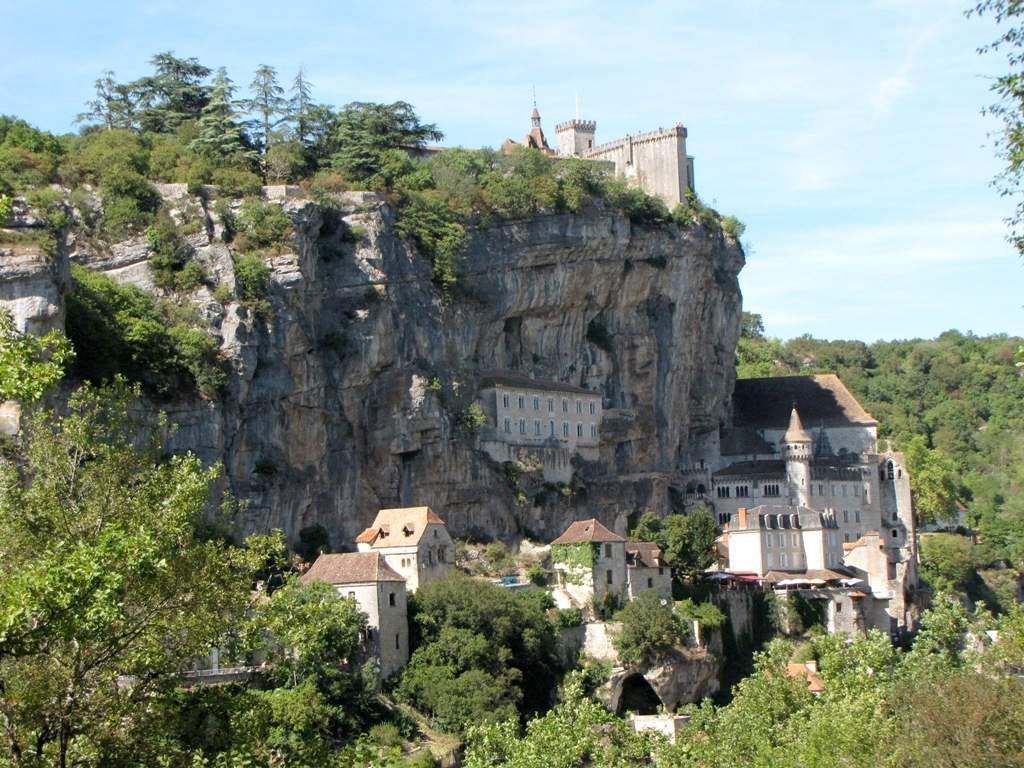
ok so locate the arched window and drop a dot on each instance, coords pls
(890, 470)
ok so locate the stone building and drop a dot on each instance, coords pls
(655, 161)
(799, 484)
(549, 420)
(379, 592)
(646, 569)
(413, 541)
(590, 567)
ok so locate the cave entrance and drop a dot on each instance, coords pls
(637, 696)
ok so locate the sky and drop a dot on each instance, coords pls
(848, 137)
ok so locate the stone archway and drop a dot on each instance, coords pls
(637, 695)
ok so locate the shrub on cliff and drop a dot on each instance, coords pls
(650, 628)
(119, 329)
(262, 225)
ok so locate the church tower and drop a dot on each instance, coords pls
(796, 452)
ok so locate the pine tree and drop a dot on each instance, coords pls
(112, 107)
(267, 102)
(174, 94)
(220, 132)
(300, 106)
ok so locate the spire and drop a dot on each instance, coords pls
(796, 432)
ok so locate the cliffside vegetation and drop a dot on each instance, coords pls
(954, 405)
(184, 123)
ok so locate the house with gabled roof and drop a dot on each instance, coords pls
(646, 569)
(380, 593)
(590, 567)
(414, 541)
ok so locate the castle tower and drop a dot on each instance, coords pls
(575, 137)
(796, 452)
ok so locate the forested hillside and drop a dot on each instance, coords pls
(954, 405)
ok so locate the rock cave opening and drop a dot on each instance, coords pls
(638, 696)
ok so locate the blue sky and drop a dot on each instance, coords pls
(847, 136)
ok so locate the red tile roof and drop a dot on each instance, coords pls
(351, 568)
(399, 527)
(814, 682)
(587, 530)
(644, 554)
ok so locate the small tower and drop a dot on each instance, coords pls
(796, 452)
(575, 137)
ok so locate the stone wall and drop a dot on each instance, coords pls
(656, 162)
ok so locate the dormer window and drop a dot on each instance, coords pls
(408, 529)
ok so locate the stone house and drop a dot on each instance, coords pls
(413, 541)
(379, 592)
(646, 569)
(590, 567)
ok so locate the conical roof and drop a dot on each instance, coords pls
(796, 432)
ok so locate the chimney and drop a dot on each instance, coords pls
(743, 518)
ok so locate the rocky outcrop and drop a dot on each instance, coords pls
(349, 394)
(682, 676)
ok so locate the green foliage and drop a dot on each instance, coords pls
(650, 629)
(262, 225)
(687, 541)
(570, 617)
(29, 158)
(537, 576)
(706, 614)
(103, 577)
(481, 651)
(169, 256)
(473, 418)
(120, 330)
(576, 557)
(438, 232)
(640, 207)
(733, 227)
(30, 365)
(947, 560)
(367, 132)
(6, 209)
(252, 278)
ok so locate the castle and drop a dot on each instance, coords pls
(655, 161)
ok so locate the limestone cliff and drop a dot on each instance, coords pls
(348, 395)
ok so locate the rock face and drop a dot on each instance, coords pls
(683, 676)
(349, 395)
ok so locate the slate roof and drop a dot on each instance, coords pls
(822, 400)
(587, 530)
(516, 379)
(398, 527)
(767, 468)
(351, 568)
(644, 554)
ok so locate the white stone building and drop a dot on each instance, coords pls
(414, 541)
(646, 569)
(798, 484)
(548, 421)
(380, 593)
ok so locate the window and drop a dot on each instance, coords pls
(661, 571)
(593, 408)
(565, 405)
(508, 425)
(895, 533)
(536, 403)
(856, 515)
(579, 430)
(398, 641)
(522, 400)
(723, 491)
(846, 538)
(771, 489)
(742, 491)
(846, 516)
(650, 583)
(565, 429)
(504, 401)
(768, 540)
(593, 431)
(843, 487)
(551, 405)
(522, 426)
(391, 598)
(608, 576)
(784, 559)
(821, 489)
(796, 539)
(552, 428)
(607, 550)
(579, 406)
(536, 426)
